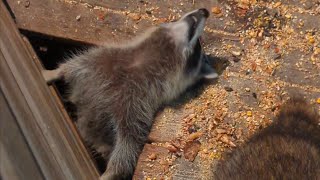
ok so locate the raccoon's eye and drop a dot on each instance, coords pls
(195, 19)
(192, 22)
(194, 58)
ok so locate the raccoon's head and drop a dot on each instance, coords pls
(186, 33)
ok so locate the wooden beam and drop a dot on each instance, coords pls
(99, 21)
(51, 139)
(58, 100)
(75, 22)
(151, 168)
(17, 161)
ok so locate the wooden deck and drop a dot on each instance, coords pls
(272, 50)
(37, 139)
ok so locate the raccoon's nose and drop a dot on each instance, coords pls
(204, 12)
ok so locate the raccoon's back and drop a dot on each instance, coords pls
(288, 149)
(272, 157)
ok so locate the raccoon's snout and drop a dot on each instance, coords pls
(195, 21)
(195, 17)
(200, 13)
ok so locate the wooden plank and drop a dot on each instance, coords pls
(156, 168)
(21, 110)
(51, 139)
(170, 121)
(17, 161)
(109, 21)
(58, 19)
(58, 100)
(166, 165)
(111, 4)
(155, 11)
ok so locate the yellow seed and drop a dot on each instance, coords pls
(277, 4)
(311, 40)
(318, 100)
(215, 10)
(194, 136)
(213, 156)
(288, 16)
(249, 113)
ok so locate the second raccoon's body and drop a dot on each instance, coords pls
(288, 149)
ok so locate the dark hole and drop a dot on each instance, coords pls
(52, 51)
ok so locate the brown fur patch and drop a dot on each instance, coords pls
(288, 149)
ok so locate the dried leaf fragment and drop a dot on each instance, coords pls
(135, 17)
(221, 131)
(194, 136)
(162, 20)
(253, 66)
(101, 16)
(78, 17)
(216, 10)
(171, 148)
(225, 139)
(277, 4)
(191, 150)
(152, 156)
(236, 53)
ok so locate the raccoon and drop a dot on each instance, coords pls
(288, 149)
(118, 88)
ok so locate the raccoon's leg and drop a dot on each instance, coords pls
(52, 75)
(130, 137)
(123, 159)
(97, 132)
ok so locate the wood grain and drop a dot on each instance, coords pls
(156, 168)
(58, 19)
(17, 161)
(101, 21)
(51, 139)
(58, 99)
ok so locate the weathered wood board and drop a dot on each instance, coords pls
(42, 123)
(96, 22)
(14, 148)
(272, 51)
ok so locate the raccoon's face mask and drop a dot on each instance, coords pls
(187, 33)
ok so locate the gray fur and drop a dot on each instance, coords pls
(288, 149)
(118, 88)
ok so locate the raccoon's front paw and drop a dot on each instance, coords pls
(108, 175)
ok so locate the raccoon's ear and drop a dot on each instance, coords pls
(207, 72)
(206, 69)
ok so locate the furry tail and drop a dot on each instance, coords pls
(298, 118)
(297, 109)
